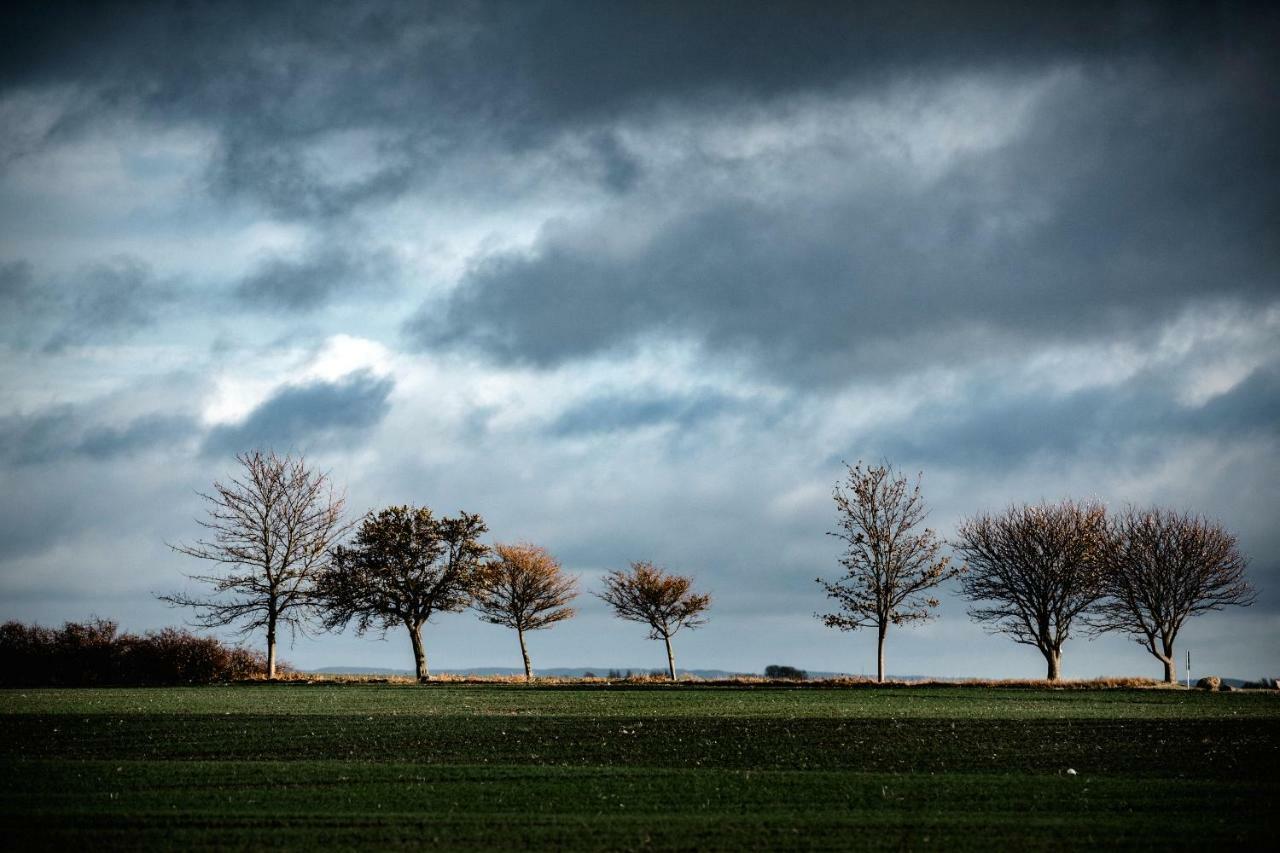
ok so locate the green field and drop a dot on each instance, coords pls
(635, 766)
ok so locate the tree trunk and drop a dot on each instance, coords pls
(884, 629)
(419, 654)
(671, 658)
(1170, 670)
(271, 646)
(1053, 657)
(524, 652)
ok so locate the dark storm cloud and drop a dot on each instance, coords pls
(1130, 197)
(303, 416)
(436, 79)
(310, 281)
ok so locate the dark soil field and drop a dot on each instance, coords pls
(636, 766)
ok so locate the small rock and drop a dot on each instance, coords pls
(1225, 688)
(1070, 772)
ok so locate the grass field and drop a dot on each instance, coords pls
(622, 767)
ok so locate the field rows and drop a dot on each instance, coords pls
(657, 700)
(480, 767)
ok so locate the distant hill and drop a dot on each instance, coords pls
(559, 672)
(574, 672)
(603, 671)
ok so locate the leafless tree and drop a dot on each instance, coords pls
(889, 563)
(1033, 570)
(651, 596)
(523, 587)
(271, 528)
(404, 566)
(1161, 567)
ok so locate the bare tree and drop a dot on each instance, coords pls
(523, 588)
(1161, 567)
(404, 566)
(1034, 570)
(271, 528)
(890, 565)
(663, 601)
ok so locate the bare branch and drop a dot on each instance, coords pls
(1033, 570)
(1160, 568)
(272, 527)
(889, 566)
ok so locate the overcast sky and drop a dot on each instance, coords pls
(631, 281)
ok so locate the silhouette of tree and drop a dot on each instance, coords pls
(1162, 567)
(405, 566)
(889, 564)
(1034, 570)
(272, 528)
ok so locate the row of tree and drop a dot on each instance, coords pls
(278, 531)
(1032, 572)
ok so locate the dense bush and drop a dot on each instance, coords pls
(95, 653)
(779, 671)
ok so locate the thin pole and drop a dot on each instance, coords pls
(1188, 667)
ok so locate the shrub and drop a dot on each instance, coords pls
(95, 653)
(789, 672)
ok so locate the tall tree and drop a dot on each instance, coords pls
(1161, 567)
(1033, 570)
(651, 596)
(890, 564)
(404, 566)
(271, 527)
(523, 587)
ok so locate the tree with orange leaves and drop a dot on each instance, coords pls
(523, 587)
(651, 596)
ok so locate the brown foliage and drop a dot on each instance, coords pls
(271, 529)
(95, 653)
(1162, 567)
(889, 564)
(404, 566)
(524, 588)
(651, 596)
(1033, 570)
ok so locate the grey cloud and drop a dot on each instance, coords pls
(1106, 235)
(997, 431)
(21, 303)
(15, 284)
(619, 169)
(439, 79)
(100, 303)
(56, 434)
(32, 439)
(621, 412)
(139, 435)
(316, 278)
(302, 416)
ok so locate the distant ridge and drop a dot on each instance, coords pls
(603, 671)
(576, 672)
